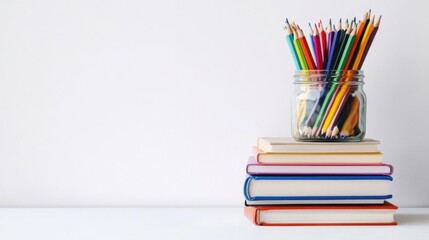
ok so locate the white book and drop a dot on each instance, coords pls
(290, 145)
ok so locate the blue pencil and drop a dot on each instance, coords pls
(289, 40)
(312, 41)
(333, 49)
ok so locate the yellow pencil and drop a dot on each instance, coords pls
(351, 119)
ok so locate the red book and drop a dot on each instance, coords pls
(322, 215)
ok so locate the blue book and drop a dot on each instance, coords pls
(317, 188)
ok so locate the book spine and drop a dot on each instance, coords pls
(256, 154)
(391, 169)
(246, 188)
(252, 214)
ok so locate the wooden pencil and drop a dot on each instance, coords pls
(371, 38)
(341, 51)
(338, 101)
(350, 120)
(330, 36)
(342, 117)
(318, 49)
(312, 50)
(341, 38)
(323, 44)
(289, 40)
(359, 31)
(334, 46)
(306, 50)
(362, 44)
(299, 52)
(362, 28)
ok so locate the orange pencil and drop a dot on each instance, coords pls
(359, 34)
(363, 44)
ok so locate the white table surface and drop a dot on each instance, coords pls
(185, 223)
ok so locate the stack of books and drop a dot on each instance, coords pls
(318, 183)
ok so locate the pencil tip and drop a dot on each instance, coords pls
(287, 21)
(340, 20)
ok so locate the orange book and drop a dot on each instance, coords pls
(322, 215)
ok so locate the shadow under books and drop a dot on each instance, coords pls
(411, 218)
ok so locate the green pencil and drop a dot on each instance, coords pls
(300, 53)
(347, 49)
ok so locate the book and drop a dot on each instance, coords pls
(289, 145)
(316, 187)
(324, 215)
(317, 158)
(254, 168)
(314, 201)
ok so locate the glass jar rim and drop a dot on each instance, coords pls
(330, 73)
(339, 77)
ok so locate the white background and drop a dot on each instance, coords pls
(157, 103)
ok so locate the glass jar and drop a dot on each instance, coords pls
(328, 106)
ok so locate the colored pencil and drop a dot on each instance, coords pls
(306, 50)
(342, 118)
(351, 120)
(360, 30)
(329, 43)
(323, 48)
(299, 52)
(371, 38)
(289, 40)
(363, 44)
(344, 42)
(318, 49)
(339, 97)
(334, 45)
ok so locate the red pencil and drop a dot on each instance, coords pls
(323, 48)
(306, 49)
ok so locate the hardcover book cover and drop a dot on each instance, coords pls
(254, 168)
(322, 215)
(316, 187)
